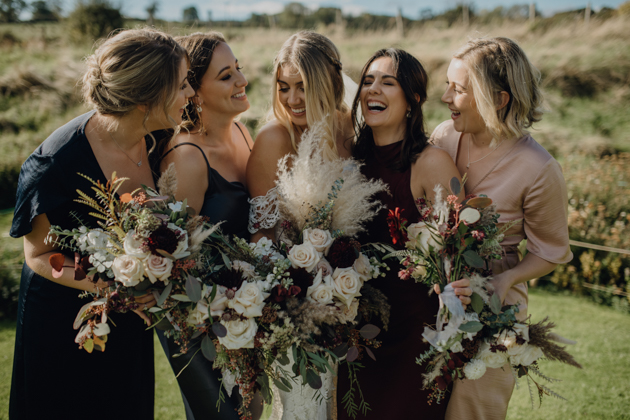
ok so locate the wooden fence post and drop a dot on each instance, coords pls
(532, 12)
(587, 13)
(400, 24)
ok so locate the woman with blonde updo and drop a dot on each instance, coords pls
(136, 83)
(494, 96)
(309, 88)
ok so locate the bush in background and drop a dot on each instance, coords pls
(94, 20)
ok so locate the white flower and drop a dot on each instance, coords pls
(522, 330)
(240, 334)
(474, 369)
(304, 256)
(322, 290)
(219, 304)
(249, 299)
(175, 206)
(362, 267)
(270, 282)
(524, 355)
(158, 268)
(248, 270)
(134, 247)
(198, 315)
(182, 245)
(92, 240)
(507, 338)
(347, 285)
(419, 271)
(128, 270)
(422, 236)
(325, 266)
(321, 239)
(264, 247)
(492, 359)
(457, 347)
(349, 312)
(229, 381)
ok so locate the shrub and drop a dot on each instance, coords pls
(93, 20)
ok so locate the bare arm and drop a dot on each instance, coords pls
(434, 166)
(528, 268)
(272, 143)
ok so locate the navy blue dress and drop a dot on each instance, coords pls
(199, 382)
(52, 377)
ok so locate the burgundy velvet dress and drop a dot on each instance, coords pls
(392, 385)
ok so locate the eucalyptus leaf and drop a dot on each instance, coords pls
(283, 359)
(263, 382)
(369, 352)
(479, 202)
(495, 304)
(476, 302)
(163, 324)
(369, 331)
(181, 298)
(219, 329)
(143, 285)
(473, 259)
(353, 353)
(226, 260)
(207, 348)
(471, 327)
(313, 379)
(456, 186)
(164, 294)
(281, 386)
(341, 350)
(155, 309)
(193, 288)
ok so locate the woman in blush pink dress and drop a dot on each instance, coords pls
(494, 96)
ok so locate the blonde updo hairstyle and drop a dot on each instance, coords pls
(131, 68)
(316, 59)
(499, 64)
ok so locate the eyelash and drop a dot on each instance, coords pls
(454, 89)
(229, 76)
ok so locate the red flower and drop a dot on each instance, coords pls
(396, 222)
(279, 293)
(343, 252)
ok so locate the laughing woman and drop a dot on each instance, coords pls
(136, 82)
(493, 94)
(210, 156)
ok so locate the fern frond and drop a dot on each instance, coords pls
(542, 375)
(549, 391)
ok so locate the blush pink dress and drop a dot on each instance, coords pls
(526, 184)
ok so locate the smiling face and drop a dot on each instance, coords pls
(291, 94)
(222, 88)
(175, 111)
(383, 101)
(460, 99)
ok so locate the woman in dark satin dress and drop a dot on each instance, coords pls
(52, 377)
(210, 156)
(393, 144)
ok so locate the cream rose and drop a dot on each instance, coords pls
(199, 315)
(474, 369)
(158, 268)
(134, 247)
(325, 266)
(249, 299)
(322, 290)
(457, 347)
(248, 270)
(363, 267)
(219, 304)
(524, 355)
(419, 272)
(240, 334)
(492, 359)
(182, 245)
(349, 312)
(507, 338)
(128, 270)
(304, 256)
(321, 239)
(347, 285)
(421, 237)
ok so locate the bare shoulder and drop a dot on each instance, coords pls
(433, 158)
(245, 133)
(185, 155)
(273, 139)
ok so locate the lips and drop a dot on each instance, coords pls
(239, 95)
(376, 106)
(454, 114)
(298, 111)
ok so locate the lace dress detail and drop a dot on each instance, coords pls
(303, 403)
(263, 211)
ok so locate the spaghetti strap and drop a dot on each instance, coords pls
(192, 144)
(243, 134)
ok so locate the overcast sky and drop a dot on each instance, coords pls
(242, 9)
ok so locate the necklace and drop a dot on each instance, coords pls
(475, 161)
(138, 163)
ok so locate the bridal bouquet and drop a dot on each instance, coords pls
(145, 241)
(454, 240)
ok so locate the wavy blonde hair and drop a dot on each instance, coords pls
(499, 65)
(131, 68)
(316, 59)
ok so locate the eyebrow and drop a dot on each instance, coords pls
(387, 76)
(458, 84)
(285, 83)
(226, 68)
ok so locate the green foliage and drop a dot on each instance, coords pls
(10, 10)
(94, 20)
(190, 14)
(45, 10)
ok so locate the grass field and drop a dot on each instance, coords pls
(599, 391)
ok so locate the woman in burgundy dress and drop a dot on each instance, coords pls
(393, 144)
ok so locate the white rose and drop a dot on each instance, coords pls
(158, 268)
(422, 236)
(474, 369)
(419, 272)
(507, 338)
(347, 285)
(457, 347)
(363, 267)
(322, 290)
(325, 266)
(182, 245)
(492, 359)
(199, 315)
(304, 256)
(240, 334)
(135, 247)
(128, 270)
(248, 270)
(349, 312)
(524, 355)
(249, 299)
(219, 304)
(321, 239)
(522, 330)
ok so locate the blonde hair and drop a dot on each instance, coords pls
(496, 65)
(316, 59)
(131, 68)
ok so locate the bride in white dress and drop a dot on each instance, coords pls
(309, 88)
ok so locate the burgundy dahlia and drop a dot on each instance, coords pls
(229, 277)
(163, 238)
(302, 279)
(343, 252)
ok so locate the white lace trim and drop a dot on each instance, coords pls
(263, 211)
